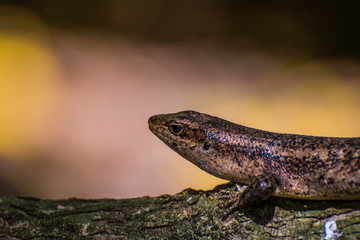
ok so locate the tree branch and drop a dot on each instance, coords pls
(186, 215)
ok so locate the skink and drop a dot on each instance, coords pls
(270, 164)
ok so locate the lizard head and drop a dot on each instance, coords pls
(198, 137)
(181, 131)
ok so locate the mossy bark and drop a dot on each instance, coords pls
(187, 215)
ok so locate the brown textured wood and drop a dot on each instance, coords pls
(188, 215)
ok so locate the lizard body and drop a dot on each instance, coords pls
(271, 164)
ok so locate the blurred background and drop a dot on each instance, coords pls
(79, 79)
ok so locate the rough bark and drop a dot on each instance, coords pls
(187, 215)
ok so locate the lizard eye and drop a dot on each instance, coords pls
(175, 128)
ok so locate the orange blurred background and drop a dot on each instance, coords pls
(76, 93)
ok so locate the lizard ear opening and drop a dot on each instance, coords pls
(206, 146)
(175, 128)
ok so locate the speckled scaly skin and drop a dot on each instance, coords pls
(282, 165)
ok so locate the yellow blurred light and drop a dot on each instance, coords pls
(28, 79)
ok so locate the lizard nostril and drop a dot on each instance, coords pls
(151, 122)
(154, 121)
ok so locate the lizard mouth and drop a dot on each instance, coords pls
(157, 128)
(154, 124)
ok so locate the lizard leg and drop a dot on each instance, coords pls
(259, 190)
